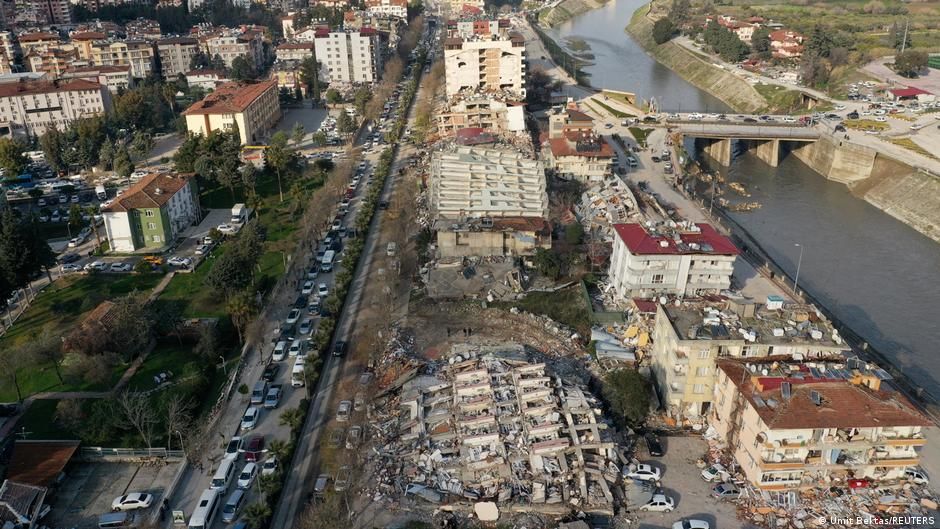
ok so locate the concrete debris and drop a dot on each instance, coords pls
(605, 204)
(486, 511)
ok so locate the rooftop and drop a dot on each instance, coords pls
(687, 239)
(24, 87)
(821, 395)
(152, 191)
(909, 91)
(231, 97)
(18, 502)
(580, 144)
(38, 463)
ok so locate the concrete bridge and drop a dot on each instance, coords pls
(764, 139)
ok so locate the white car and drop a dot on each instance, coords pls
(839, 107)
(307, 288)
(643, 472)
(789, 119)
(269, 466)
(68, 268)
(659, 503)
(180, 261)
(917, 476)
(305, 326)
(292, 317)
(120, 267)
(233, 448)
(695, 116)
(691, 524)
(342, 413)
(97, 266)
(202, 249)
(132, 501)
(323, 290)
(881, 119)
(250, 419)
(248, 475)
(715, 472)
(226, 228)
(75, 241)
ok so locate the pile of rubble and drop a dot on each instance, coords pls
(493, 427)
(605, 204)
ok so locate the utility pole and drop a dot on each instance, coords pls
(904, 40)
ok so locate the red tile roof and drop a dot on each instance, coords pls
(708, 241)
(590, 146)
(45, 87)
(231, 97)
(38, 463)
(844, 403)
(38, 36)
(296, 46)
(152, 191)
(88, 35)
(910, 91)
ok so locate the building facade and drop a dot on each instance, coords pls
(137, 54)
(485, 112)
(792, 425)
(152, 212)
(252, 108)
(31, 107)
(236, 43)
(689, 260)
(349, 57)
(115, 78)
(294, 51)
(494, 63)
(395, 8)
(176, 54)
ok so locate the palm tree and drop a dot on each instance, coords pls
(241, 308)
(293, 418)
(256, 515)
(279, 449)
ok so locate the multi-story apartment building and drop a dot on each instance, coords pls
(686, 260)
(585, 157)
(494, 114)
(84, 41)
(38, 42)
(114, 77)
(236, 43)
(493, 63)
(8, 52)
(690, 336)
(152, 212)
(137, 54)
(792, 425)
(31, 107)
(348, 57)
(467, 27)
(251, 107)
(465, 6)
(395, 8)
(206, 79)
(143, 29)
(176, 54)
(44, 12)
(52, 61)
(294, 51)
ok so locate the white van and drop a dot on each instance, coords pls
(205, 511)
(297, 374)
(280, 350)
(296, 348)
(223, 476)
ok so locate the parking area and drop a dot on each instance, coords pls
(681, 480)
(89, 489)
(310, 118)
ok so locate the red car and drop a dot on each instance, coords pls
(254, 448)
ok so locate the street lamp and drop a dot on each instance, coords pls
(182, 447)
(224, 370)
(799, 262)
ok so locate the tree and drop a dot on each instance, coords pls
(760, 42)
(280, 158)
(345, 124)
(123, 165)
(279, 449)
(256, 515)
(910, 63)
(241, 308)
(898, 38)
(574, 232)
(11, 362)
(360, 98)
(137, 413)
(75, 216)
(176, 415)
(547, 263)
(628, 394)
(309, 75)
(208, 348)
(297, 133)
(663, 29)
(12, 159)
(53, 147)
(106, 155)
(130, 326)
(333, 97)
(293, 418)
(69, 414)
(23, 250)
(243, 69)
(680, 12)
(142, 144)
(168, 319)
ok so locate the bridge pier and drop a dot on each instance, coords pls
(718, 150)
(768, 151)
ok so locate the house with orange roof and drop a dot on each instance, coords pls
(250, 108)
(152, 212)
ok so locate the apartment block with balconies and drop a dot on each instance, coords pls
(793, 425)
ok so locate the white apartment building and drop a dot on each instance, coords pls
(688, 260)
(114, 77)
(176, 53)
(488, 63)
(234, 43)
(348, 57)
(805, 425)
(483, 111)
(137, 54)
(294, 51)
(394, 8)
(31, 107)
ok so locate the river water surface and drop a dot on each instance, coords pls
(874, 273)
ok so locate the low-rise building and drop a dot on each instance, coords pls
(53, 61)
(143, 29)
(689, 336)
(252, 108)
(489, 112)
(395, 8)
(489, 63)
(488, 202)
(348, 57)
(294, 51)
(786, 44)
(686, 260)
(152, 212)
(207, 79)
(176, 54)
(585, 156)
(793, 425)
(31, 107)
(84, 41)
(114, 77)
(38, 41)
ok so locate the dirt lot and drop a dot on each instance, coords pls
(89, 489)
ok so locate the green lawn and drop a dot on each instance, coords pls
(38, 423)
(197, 300)
(640, 135)
(613, 111)
(618, 97)
(170, 356)
(565, 306)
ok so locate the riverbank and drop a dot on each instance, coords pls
(697, 70)
(566, 10)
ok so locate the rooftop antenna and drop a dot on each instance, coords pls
(23, 434)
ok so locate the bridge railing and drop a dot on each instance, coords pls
(729, 129)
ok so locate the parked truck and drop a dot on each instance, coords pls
(326, 262)
(239, 214)
(101, 192)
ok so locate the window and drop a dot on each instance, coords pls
(704, 353)
(148, 212)
(156, 238)
(702, 371)
(657, 279)
(151, 226)
(698, 389)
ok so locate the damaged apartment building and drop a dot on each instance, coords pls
(487, 202)
(690, 337)
(498, 428)
(811, 424)
(573, 149)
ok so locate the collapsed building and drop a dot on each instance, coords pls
(497, 428)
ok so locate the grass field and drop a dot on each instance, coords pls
(613, 111)
(640, 135)
(909, 144)
(565, 306)
(865, 124)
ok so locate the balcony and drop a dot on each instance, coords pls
(783, 463)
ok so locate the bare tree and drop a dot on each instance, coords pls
(69, 414)
(176, 411)
(47, 347)
(11, 361)
(138, 414)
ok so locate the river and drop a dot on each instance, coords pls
(874, 273)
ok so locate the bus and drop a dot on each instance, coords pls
(205, 510)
